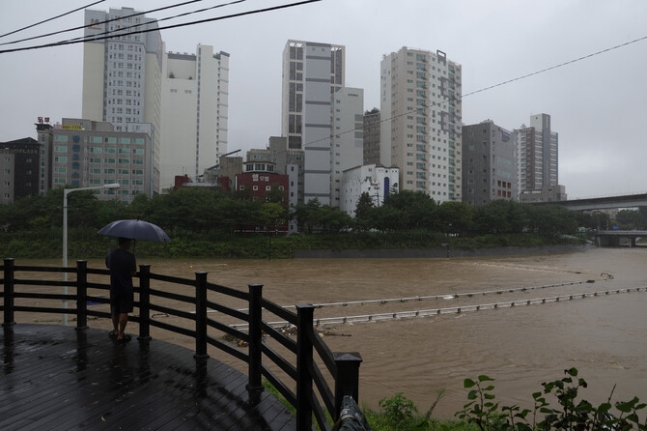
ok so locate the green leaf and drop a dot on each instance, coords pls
(472, 395)
(468, 383)
(571, 372)
(604, 408)
(632, 417)
(623, 407)
(484, 378)
(489, 396)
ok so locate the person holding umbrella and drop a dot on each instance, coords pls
(123, 267)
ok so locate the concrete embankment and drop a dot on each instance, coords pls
(439, 252)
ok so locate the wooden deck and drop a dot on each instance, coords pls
(56, 377)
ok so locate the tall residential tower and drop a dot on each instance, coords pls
(312, 73)
(421, 109)
(537, 149)
(195, 105)
(122, 74)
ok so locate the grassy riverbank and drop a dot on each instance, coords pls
(87, 244)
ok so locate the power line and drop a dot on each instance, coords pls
(50, 19)
(122, 31)
(640, 39)
(94, 38)
(557, 66)
(105, 22)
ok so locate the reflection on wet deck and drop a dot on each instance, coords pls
(55, 377)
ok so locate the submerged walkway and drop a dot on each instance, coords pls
(55, 377)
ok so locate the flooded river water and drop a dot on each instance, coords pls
(604, 337)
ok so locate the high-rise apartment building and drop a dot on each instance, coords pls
(122, 74)
(421, 109)
(537, 147)
(312, 73)
(537, 154)
(195, 112)
(489, 164)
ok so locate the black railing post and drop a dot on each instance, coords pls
(255, 385)
(201, 315)
(305, 313)
(144, 303)
(8, 292)
(347, 380)
(81, 295)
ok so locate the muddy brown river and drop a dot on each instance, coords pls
(605, 336)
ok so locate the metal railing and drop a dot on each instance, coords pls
(300, 370)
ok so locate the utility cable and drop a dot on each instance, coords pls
(104, 22)
(50, 19)
(122, 31)
(94, 39)
(557, 66)
(640, 39)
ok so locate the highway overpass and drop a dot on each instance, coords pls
(609, 202)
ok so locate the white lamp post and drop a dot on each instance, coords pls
(65, 193)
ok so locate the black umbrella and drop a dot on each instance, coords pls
(135, 229)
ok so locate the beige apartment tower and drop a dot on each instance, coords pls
(421, 110)
(122, 74)
(195, 113)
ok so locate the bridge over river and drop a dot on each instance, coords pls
(608, 202)
(618, 238)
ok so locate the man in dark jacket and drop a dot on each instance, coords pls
(123, 267)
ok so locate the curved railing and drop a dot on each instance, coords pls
(313, 394)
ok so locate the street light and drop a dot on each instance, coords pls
(65, 193)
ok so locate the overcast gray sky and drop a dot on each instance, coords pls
(598, 105)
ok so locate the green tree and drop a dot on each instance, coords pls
(276, 195)
(307, 215)
(553, 219)
(272, 214)
(333, 219)
(630, 219)
(455, 216)
(363, 212)
(492, 218)
(418, 208)
(387, 218)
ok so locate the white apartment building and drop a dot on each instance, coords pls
(421, 95)
(122, 74)
(195, 113)
(378, 181)
(347, 148)
(312, 73)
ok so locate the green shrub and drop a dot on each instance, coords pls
(569, 414)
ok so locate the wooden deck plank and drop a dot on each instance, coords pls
(54, 377)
